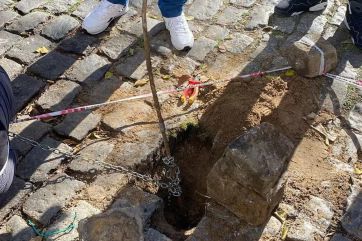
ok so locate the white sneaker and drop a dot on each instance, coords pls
(181, 35)
(101, 16)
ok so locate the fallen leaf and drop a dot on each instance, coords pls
(357, 171)
(141, 82)
(190, 18)
(290, 73)
(285, 230)
(166, 77)
(108, 75)
(42, 50)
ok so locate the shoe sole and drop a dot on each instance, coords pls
(315, 8)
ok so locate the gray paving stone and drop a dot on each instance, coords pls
(88, 70)
(84, 8)
(204, 9)
(7, 40)
(96, 151)
(309, 23)
(52, 65)
(4, 4)
(238, 43)
(7, 16)
(126, 116)
(260, 16)
(60, 6)
(38, 163)
(16, 229)
(216, 32)
(28, 22)
(285, 25)
(14, 197)
(154, 26)
(118, 46)
(60, 27)
(11, 67)
(25, 6)
(25, 50)
(25, 88)
(154, 235)
(34, 130)
(230, 15)
(83, 210)
(135, 66)
(78, 125)
(59, 96)
(202, 47)
(243, 3)
(79, 43)
(47, 201)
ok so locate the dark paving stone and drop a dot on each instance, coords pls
(59, 96)
(25, 50)
(60, 27)
(7, 40)
(46, 202)
(52, 65)
(14, 197)
(25, 6)
(80, 43)
(7, 16)
(25, 88)
(38, 163)
(88, 70)
(34, 130)
(77, 126)
(117, 46)
(28, 22)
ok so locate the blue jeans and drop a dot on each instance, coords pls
(169, 8)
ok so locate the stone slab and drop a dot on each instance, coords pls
(118, 46)
(12, 68)
(25, 88)
(38, 163)
(52, 65)
(7, 40)
(25, 6)
(205, 9)
(47, 201)
(202, 47)
(28, 22)
(59, 96)
(80, 43)
(25, 50)
(77, 126)
(88, 70)
(7, 16)
(60, 27)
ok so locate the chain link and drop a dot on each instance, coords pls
(171, 171)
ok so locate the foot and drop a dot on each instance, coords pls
(353, 22)
(296, 7)
(181, 35)
(99, 19)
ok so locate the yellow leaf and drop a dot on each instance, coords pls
(189, 18)
(166, 77)
(357, 171)
(284, 231)
(141, 82)
(290, 73)
(108, 75)
(42, 50)
(282, 215)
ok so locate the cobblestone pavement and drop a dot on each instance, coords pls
(83, 69)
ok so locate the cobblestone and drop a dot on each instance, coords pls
(216, 32)
(118, 46)
(60, 27)
(78, 44)
(25, 6)
(88, 70)
(28, 22)
(154, 26)
(7, 16)
(59, 96)
(38, 164)
(60, 6)
(205, 9)
(4, 4)
(98, 151)
(16, 229)
(85, 7)
(260, 16)
(285, 25)
(11, 67)
(25, 50)
(230, 15)
(202, 47)
(238, 43)
(47, 201)
(34, 130)
(7, 41)
(78, 125)
(25, 88)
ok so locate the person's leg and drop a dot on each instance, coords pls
(296, 7)
(172, 12)
(101, 16)
(353, 21)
